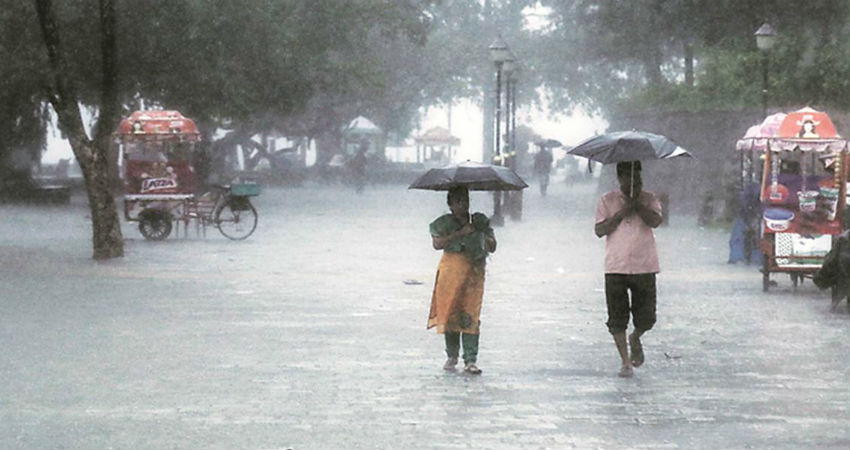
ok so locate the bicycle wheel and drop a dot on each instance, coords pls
(155, 225)
(236, 223)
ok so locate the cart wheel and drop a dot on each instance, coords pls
(155, 225)
(237, 221)
(765, 273)
(795, 279)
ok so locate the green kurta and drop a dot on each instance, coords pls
(473, 245)
(459, 285)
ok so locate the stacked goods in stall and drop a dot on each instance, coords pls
(802, 194)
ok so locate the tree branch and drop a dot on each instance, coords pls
(107, 120)
(63, 98)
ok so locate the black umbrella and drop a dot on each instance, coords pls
(471, 175)
(621, 146)
(548, 143)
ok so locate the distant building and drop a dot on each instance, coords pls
(437, 146)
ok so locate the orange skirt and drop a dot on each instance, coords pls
(458, 292)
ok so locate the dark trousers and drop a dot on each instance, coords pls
(641, 305)
(544, 183)
(470, 346)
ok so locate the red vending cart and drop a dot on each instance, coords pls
(803, 195)
(155, 157)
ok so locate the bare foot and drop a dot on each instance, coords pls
(637, 350)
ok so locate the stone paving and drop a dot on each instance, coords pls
(306, 336)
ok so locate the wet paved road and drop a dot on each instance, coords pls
(306, 337)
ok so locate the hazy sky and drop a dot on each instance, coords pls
(467, 123)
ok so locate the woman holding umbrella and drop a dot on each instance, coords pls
(459, 287)
(465, 241)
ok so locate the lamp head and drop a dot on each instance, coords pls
(765, 37)
(499, 51)
(509, 66)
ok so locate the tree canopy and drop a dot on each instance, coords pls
(310, 66)
(230, 61)
(638, 53)
(307, 67)
(249, 65)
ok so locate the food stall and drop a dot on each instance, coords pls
(803, 191)
(155, 159)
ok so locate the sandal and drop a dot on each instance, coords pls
(472, 369)
(450, 364)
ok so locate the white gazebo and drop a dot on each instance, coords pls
(360, 129)
(436, 144)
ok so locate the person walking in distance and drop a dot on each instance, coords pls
(626, 217)
(357, 166)
(542, 168)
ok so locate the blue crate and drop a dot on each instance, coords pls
(245, 189)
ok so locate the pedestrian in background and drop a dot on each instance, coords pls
(626, 218)
(542, 168)
(459, 286)
(357, 166)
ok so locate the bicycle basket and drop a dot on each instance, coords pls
(245, 189)
(239, 203)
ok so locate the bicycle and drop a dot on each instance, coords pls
(228, 207)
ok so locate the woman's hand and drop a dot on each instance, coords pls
(464, 230)
(441, 242)
(490, 240)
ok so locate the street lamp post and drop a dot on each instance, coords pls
(513, 200)
(518, 156)
(508, 69)
(499, 53)
(507, 154)
(513, 80)
(765, 39)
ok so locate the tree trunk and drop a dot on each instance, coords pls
(106, 227)
(203, 157)
(654, 57)
(328, 144)
(689, 64)
(110, 109)
(92, 155)
(488, 110)
(488, 105)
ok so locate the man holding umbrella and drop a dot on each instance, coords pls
(626, 218)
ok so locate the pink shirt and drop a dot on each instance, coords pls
(630, 249)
